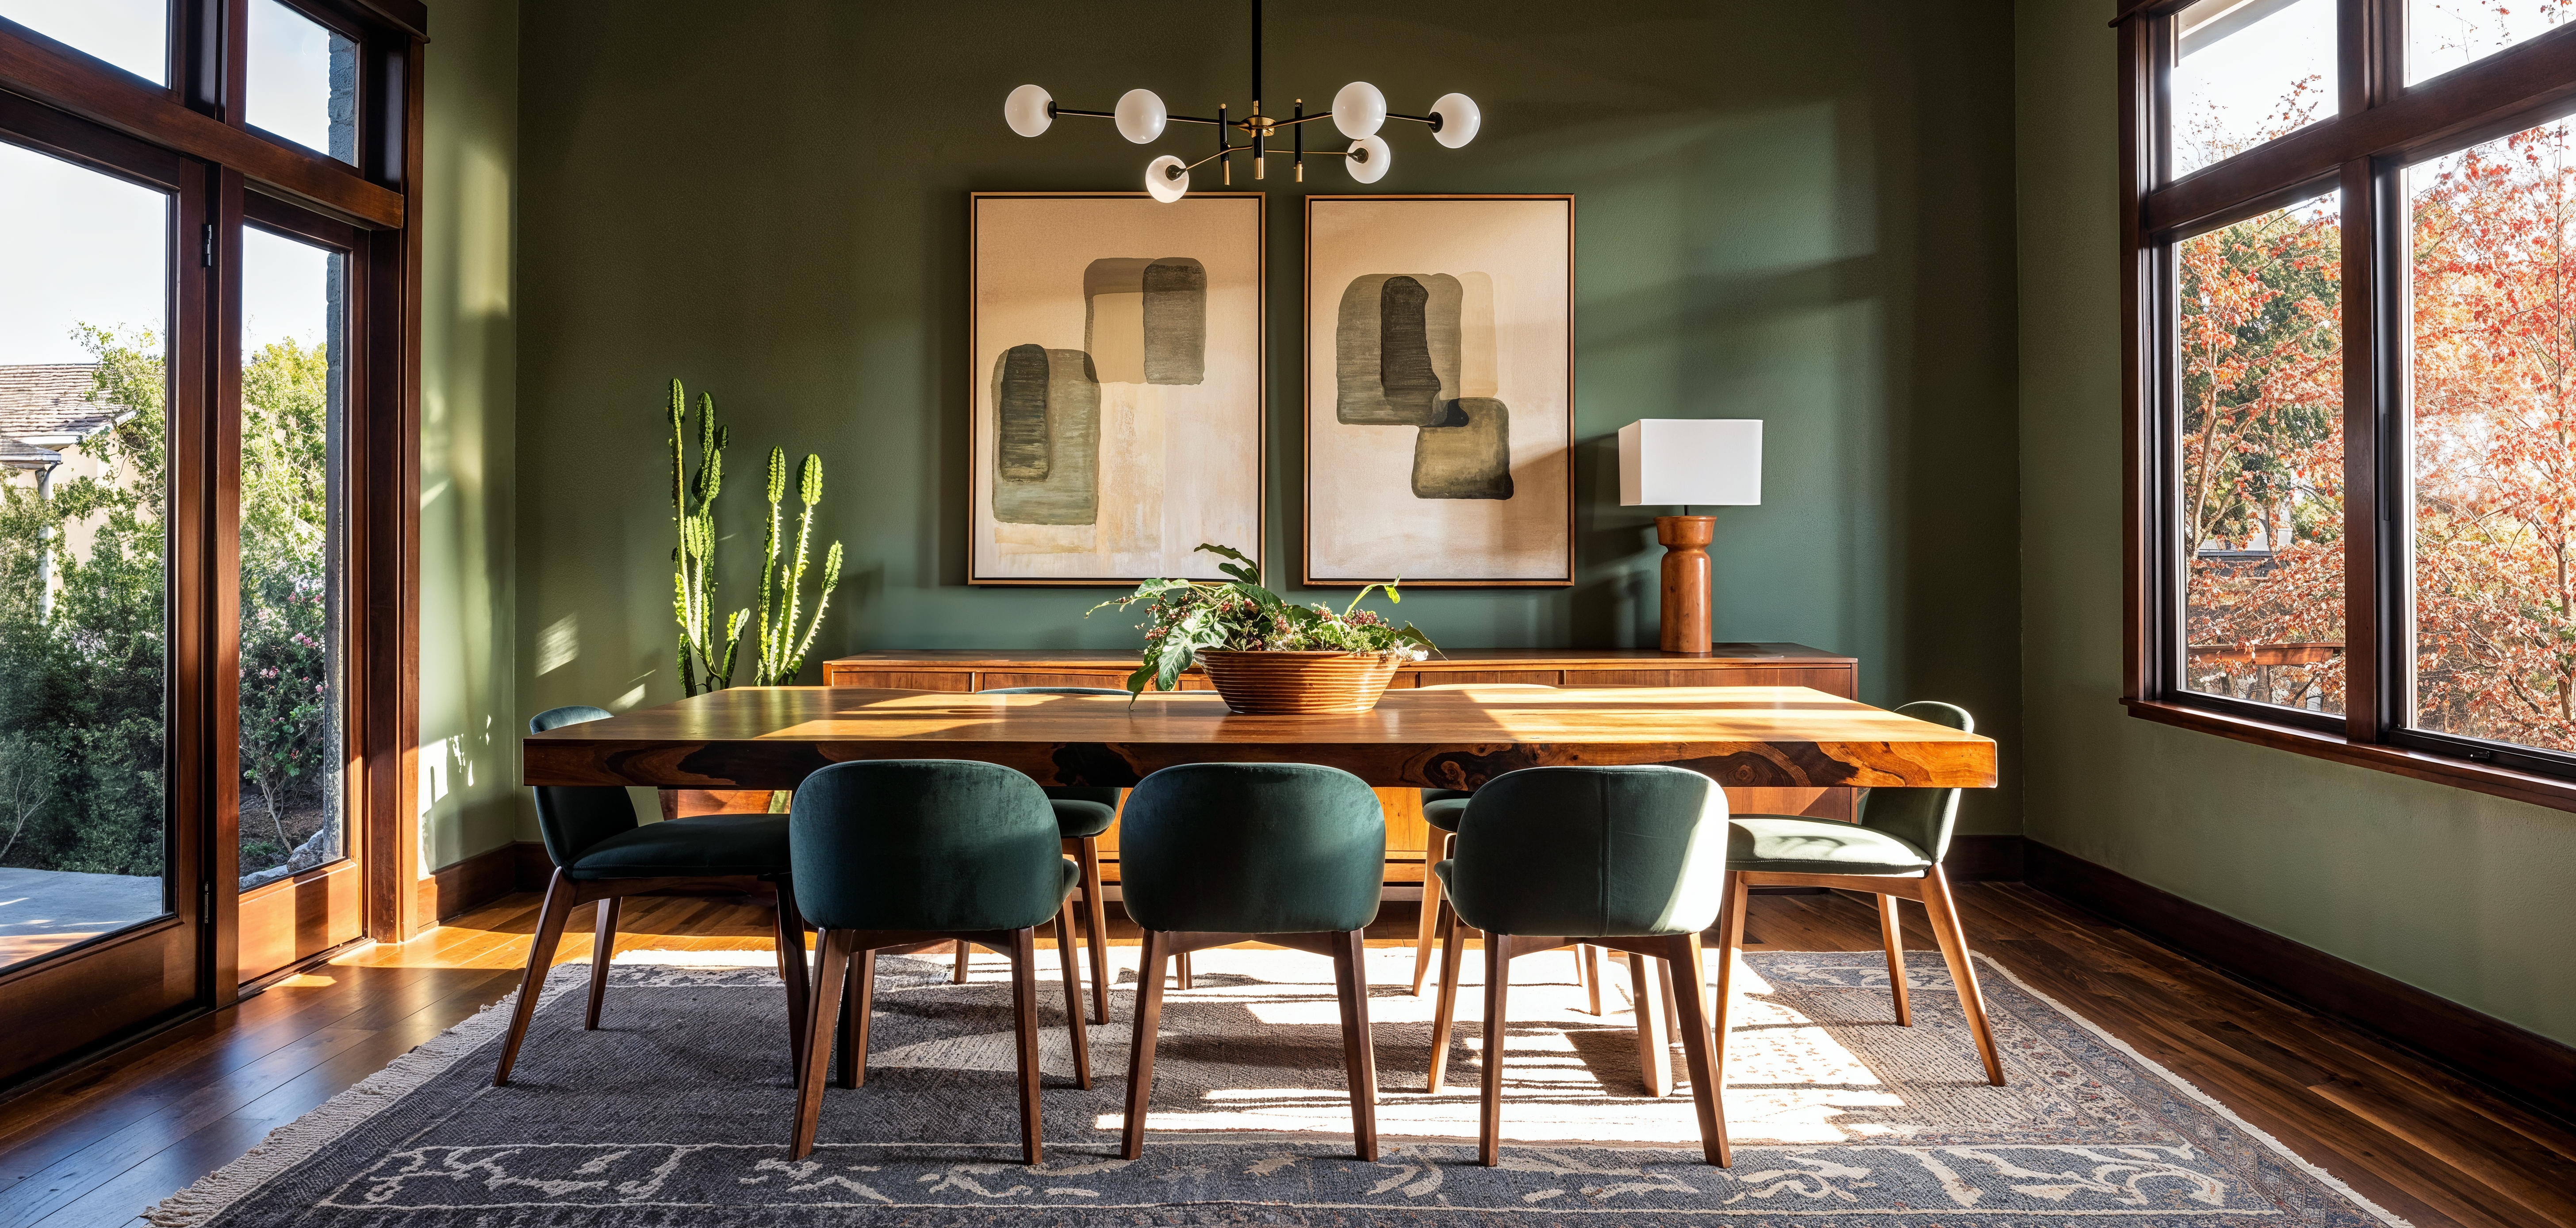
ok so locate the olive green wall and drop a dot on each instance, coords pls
(469, 433)
(1798, 212)
(2467, 896)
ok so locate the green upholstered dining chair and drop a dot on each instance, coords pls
(601, 853)
(1441, 809)
(1629, 858)
(900, 855)
(1289, 854)
(1082, 812)
(1894, 852)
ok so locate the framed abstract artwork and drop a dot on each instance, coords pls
(1115, 381)
(1439, 375)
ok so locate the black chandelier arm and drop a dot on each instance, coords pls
(1432, 120)
(1230, 149)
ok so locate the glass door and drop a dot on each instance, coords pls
(102, 907)
(299, 881)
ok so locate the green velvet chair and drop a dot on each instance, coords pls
(1629, 858)
(1894, 852)
(1082, 813)
(601, 853)
(905, 855)
(1289, 854)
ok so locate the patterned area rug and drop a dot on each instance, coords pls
(676, 1113)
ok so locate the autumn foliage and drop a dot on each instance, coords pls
(2492, 440)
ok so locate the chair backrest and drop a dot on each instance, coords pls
(1597, 852)
(1920, 817)
(924, 844)
(1106, 795)
(1252, 848)
(574, 817)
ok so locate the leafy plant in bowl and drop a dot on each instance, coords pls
(1265, 654)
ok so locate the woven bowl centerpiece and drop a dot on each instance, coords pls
(1298, 683)
(1266, 655)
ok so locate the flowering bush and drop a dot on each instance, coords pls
(1187, 617)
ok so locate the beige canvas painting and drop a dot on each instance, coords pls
(1439, 390)
(1115, 374)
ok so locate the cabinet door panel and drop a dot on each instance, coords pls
(994, 680)
(1544, 677)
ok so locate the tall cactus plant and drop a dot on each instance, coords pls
(781, 652)
(705, 657)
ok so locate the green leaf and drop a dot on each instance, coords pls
(1248, 571)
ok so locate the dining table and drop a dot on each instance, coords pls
(1450, 738)
(1744, 737)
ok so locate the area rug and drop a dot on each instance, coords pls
(676, 1113)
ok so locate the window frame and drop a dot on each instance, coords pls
(190, 137)
(2380, 127)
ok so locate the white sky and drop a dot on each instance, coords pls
(80, 247)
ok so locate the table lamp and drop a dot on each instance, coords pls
(1689, 461)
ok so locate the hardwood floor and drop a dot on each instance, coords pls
(99, 1146)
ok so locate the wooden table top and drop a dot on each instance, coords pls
(1753, 737)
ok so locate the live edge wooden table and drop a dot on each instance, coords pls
(1744, 737)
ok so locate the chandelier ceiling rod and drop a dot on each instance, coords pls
(1359, 110)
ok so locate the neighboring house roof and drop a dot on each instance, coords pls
(49, 403)
(20, 454)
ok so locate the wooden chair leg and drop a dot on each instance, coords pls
(1181, 971)
(1730, 943)
(1706, 1095)
(858, 1008)
(790, 939)
(1498, 984)
(541, 958)
(959, 978)
(603, 943)
(1445, 1006)
(1069, 960)
(1423, 932)
(1359, 1056)
(1963, 971)
(1891, 930)
(1590, 957)
(1140, 1049)
(1654, 1052)
(1096, 905)
(1672, 1014)
(833, 962)
(1024, 1013)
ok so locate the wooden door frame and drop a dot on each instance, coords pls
(191, 138)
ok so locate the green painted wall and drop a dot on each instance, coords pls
(1795, 212)
(469, 433)
(2464, 895)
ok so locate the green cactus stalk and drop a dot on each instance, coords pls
(705, 660)
(781, 651)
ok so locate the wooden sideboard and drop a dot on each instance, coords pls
(950, 669)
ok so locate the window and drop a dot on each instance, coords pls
(131, 34)
(84, 812)
(208, 438)
(2354, 503)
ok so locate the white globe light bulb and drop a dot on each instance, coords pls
(1026, 109)
(1140, 116)
(1369, 159)
(1359, 110)
(1162, 183)
(1458, 118)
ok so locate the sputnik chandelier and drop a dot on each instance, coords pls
(1359, 110)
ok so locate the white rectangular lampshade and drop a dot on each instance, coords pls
(1690, 460)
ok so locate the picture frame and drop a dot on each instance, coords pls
(1117, 385)
(1449, 317)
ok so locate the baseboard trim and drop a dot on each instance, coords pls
(469, 884)
(2522, 1066)
(1984, 859)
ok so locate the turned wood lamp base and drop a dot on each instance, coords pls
(1685, 540)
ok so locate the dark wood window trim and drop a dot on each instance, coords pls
(189, 139)
(2380, 126)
